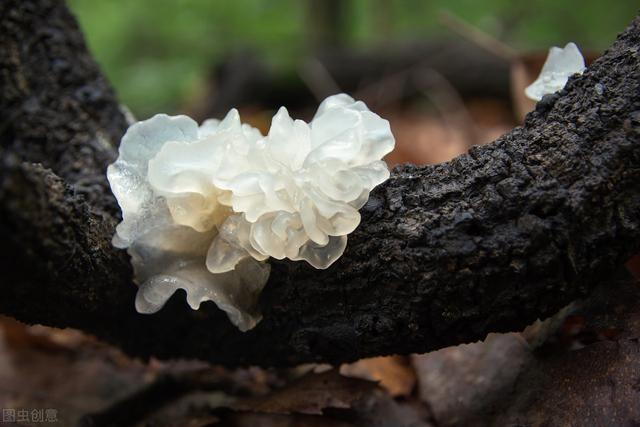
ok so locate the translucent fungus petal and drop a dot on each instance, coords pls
(559, 66)
(322, 256)
(236, 292)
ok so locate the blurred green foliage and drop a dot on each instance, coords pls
(159, 52)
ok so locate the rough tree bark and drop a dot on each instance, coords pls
(489, 241)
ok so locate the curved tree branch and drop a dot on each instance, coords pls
(489, 241)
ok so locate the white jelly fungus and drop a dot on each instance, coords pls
(204, 206)
(559, 66)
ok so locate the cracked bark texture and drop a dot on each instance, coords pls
(488, 242)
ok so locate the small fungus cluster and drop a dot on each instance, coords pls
(561, 64)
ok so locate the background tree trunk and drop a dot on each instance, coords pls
(489, 241)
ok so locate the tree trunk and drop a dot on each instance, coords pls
(489, 241)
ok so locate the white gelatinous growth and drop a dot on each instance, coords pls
(168, 237)
(203, 207)
(559, 66)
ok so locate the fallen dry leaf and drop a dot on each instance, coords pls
(373, 407)
(247, 419)
(381, 410)
(310, 394)
(393, 373)
(459, 383)
(596, 385)
(505, 381)
(44, 368)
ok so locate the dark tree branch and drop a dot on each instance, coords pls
(490, 241)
